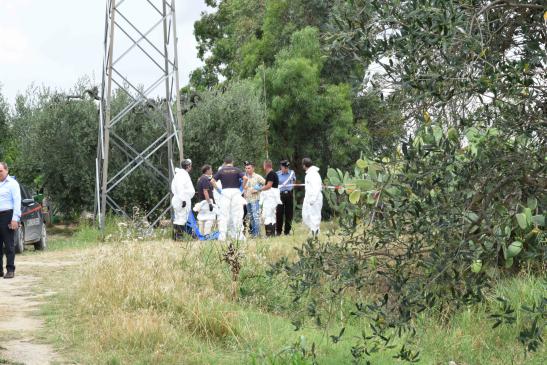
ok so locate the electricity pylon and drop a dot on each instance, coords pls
(140, 59)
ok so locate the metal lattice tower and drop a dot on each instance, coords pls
(142, 31)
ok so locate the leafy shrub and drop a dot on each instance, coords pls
(423, 230)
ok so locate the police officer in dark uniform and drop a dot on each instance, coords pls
(284, 213)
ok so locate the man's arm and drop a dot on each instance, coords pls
(214, 183)
(268, 186)
(16, 196)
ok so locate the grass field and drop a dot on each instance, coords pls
(163, 302)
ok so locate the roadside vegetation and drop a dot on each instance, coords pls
(163, 302)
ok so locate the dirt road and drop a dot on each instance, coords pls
(20, 325)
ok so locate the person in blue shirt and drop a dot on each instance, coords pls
(10, 216)
(284, 213)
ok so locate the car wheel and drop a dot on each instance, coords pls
(19, 240)
(42, 244)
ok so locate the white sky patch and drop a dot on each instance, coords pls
(56, 42)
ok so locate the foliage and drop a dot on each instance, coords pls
(422, 230)
(54, 139)
(464, 63)
(55, 142)
(5, 130)
(305, 113)
(312, 99)
(225, 122)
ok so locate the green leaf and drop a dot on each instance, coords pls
(521, 220)
(332, 174)
(346, 178)
(355, 196)
(372, 172)
(393, 192)
(514, 249)
(361, 164)
(528, 214)
(539, 220)
(476, 266)
(364, 185)
(532, 203)
(472, 133)
(473, 217)
(453, 135)
(508, 263)
(437, 133)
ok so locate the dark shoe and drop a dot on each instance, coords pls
(9, 275)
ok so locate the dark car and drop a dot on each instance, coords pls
(33, 227)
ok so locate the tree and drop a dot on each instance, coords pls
(283, 41)
(421, 231)
(464, 194)
(5, 128)
(227, 122)
(460, 63)
(56, 145)
(56, 140)
(307, 116)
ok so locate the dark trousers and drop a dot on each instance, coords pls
(284, 213)
(7, 243)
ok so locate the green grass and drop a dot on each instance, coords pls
(160, 302)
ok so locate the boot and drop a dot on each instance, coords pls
(177, 232)
(269, 232)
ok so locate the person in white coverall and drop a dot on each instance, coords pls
(183, 192)
(313, 199)
(206, 208)
(206, 217)
(230, 220)
(270, 198)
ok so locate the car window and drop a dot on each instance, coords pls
(25, 194)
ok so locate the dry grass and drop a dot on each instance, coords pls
(164, 302)
(161, 301)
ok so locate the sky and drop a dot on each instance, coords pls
(56, 42)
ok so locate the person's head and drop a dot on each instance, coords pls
(207, 170)
(284, 166)
(267, 165)
(228, 160)
(186, 164)
(306, 163)
(3, 171)
(249, 167)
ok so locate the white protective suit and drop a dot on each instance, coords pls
(269, 200)
(183, 191)
(313, 200)
(230, 220)
(206, 218)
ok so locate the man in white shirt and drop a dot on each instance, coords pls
(10, 216)
(183, 192)
(313, 200)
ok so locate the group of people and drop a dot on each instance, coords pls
(230, 195)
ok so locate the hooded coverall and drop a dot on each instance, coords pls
(269, 200)
(313, 200)
(183, 191)
(230, 219)
(206, 217)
